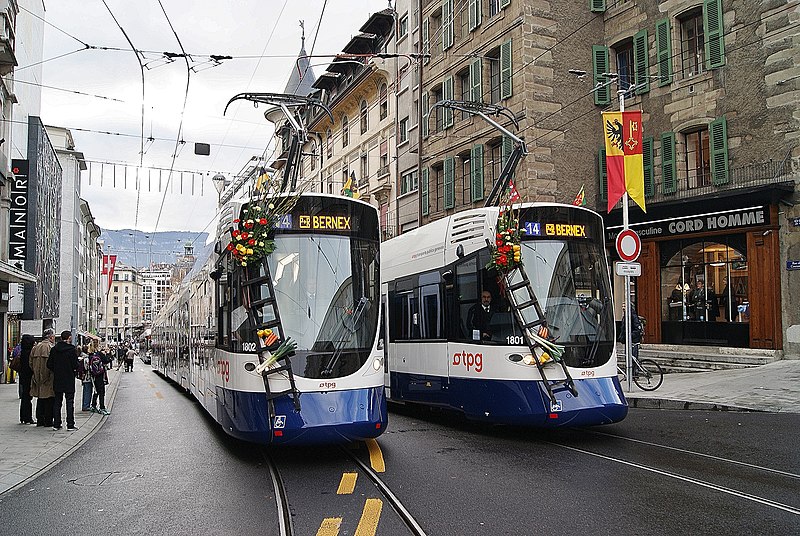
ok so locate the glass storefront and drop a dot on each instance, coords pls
(704, 291)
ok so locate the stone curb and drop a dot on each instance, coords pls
(672, 404)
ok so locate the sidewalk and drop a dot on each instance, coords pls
(26, 451)
(774, 387)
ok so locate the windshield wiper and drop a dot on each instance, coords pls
(349, 323)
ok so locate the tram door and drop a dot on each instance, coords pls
(383, 343)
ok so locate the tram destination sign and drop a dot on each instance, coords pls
(729, 220)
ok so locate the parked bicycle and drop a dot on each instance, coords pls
(647, 374)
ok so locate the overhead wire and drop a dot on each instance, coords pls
(141, 144)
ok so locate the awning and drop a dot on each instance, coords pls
(12, 274)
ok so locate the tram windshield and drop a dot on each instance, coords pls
(571, 282)
(327, 290)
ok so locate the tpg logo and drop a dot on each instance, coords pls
(468, 360)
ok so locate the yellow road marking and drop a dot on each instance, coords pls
(152, 385)
(330, 526)
(369, 518)
(159, 395)
(375, 456)
(348, 484)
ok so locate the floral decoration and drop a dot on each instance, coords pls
(251, 236)
(506, 252)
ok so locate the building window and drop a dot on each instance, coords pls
(493, 58)
(402, 26)
(116, 322)
(437, 96)
(625, 65)
(384, 102)
(698, 161)
(127, 290)
(126, 311)
(127, 299)
(494, 7)
(364, 117)
(364, 167)
(313, 156)
(496, 159)
(116, 289)
(329, 143)
(345, 131)
(116, 299)
(408, 182)
(402, 134)
(692, 44)
(384, 161)
(466, 89)
(116, 310)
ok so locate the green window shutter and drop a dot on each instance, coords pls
(447, 94)
(669, 178)
(426, 31)
(602, 174)
(505, 150)
(476, 170)
(597, 6)
(664, 52)
(449, 183)
(425, 111)
(600, 66)
(713, 27)
(424, 188)
(718, 141)
(506, 89)
(475, 14)
(476, 92)
(647, 157)
(641, 59)
(447, 24)
(504, 3)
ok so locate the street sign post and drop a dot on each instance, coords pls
(630, 269)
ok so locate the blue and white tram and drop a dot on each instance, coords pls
(324, 276)
(435, 278)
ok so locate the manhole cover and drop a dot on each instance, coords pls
(103, 479)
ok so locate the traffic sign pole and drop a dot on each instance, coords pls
(627, 315)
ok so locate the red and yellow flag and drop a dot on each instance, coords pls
(580, 198)
(624, 162)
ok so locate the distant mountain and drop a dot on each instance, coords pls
(166, 246)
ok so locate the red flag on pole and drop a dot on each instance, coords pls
(514, 196)
(624, 161)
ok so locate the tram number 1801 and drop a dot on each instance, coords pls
(515, 340)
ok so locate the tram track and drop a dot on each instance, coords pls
(285, 525)
(755, 483)
(346, 460)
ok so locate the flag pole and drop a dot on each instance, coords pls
(627, 315)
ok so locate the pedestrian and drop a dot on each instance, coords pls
(25, 376)
(42, 379)
(637, 330)
(63, 362)
(130, 355)
(98, 373)
(86, 379)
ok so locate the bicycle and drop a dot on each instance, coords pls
(647, 374)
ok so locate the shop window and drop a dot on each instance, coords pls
(698, 162)
(692, 43)
(705, 281)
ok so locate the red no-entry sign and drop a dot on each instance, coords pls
(629, 245)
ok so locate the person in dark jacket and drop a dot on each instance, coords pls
(25, 377)
(63, 362)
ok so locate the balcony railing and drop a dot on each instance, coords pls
(748, 176)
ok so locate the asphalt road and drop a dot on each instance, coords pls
(160, 466)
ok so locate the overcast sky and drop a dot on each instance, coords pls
(237, 28)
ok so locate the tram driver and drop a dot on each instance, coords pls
(479, 318)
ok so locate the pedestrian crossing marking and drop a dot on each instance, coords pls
(368, 524)
(348, 484)
(330, 526)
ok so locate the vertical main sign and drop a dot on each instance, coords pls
(18, 228)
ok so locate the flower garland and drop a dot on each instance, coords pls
(251, 238)
(506, 253)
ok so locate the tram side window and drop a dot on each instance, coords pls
(468, 295)
(405, 323)
(223, 311)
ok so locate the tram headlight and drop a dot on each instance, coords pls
(377, 363)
